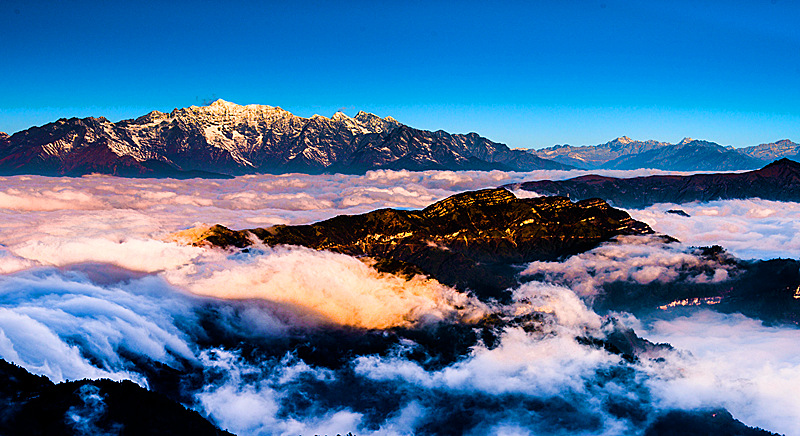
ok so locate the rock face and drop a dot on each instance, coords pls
(778, 181)
(626, 154)
(226, 138)
(469, 240)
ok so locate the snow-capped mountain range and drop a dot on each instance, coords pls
(229, 139)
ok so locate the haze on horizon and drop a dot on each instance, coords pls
(525, 74)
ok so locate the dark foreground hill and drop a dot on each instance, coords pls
(779, 181)
(469, 240)
(32, 405)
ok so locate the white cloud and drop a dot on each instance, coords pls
(733, 362)
(640, 259)
(318, 287)
(750, 229)
(544, 362)
(61, 325)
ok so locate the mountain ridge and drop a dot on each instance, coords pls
(231, 139)
(468, 240)
(686, 155)
(779, 181)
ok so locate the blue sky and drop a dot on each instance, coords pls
(529, 74)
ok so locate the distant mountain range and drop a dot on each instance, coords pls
(778, 181)
(688, 155)
(224, 139)
(228, 139)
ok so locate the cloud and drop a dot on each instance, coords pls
(543, 362)
(65, 327)
(729, 361)
(517, 385)
(57, 198)
(536, 379)
(9, 262)
(131, 253)
(83, 419)
(639, 259)
(247, 407)
(318, 287)
(284, 196)
(749, 229)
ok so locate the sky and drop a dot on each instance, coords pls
(528, 74)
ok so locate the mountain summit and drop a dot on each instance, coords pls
(231, 139)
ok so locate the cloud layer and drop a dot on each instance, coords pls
(733, 362)
(91, 286)
(750, 229)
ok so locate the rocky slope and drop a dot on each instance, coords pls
(779, 181)
(469, 241)
(226, 138)
(626, 154)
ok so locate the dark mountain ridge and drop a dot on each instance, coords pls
(774, 150)
(469, 240)
(779, 181)
(33, 405)
(692, 155)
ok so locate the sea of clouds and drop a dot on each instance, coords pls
(749, 229)
(92, 281)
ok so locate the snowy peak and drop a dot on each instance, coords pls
(375, 123)
(685, 141)
(152, 117)
(340, 116)
(228, 114)
(221, 103)
(623, 140)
